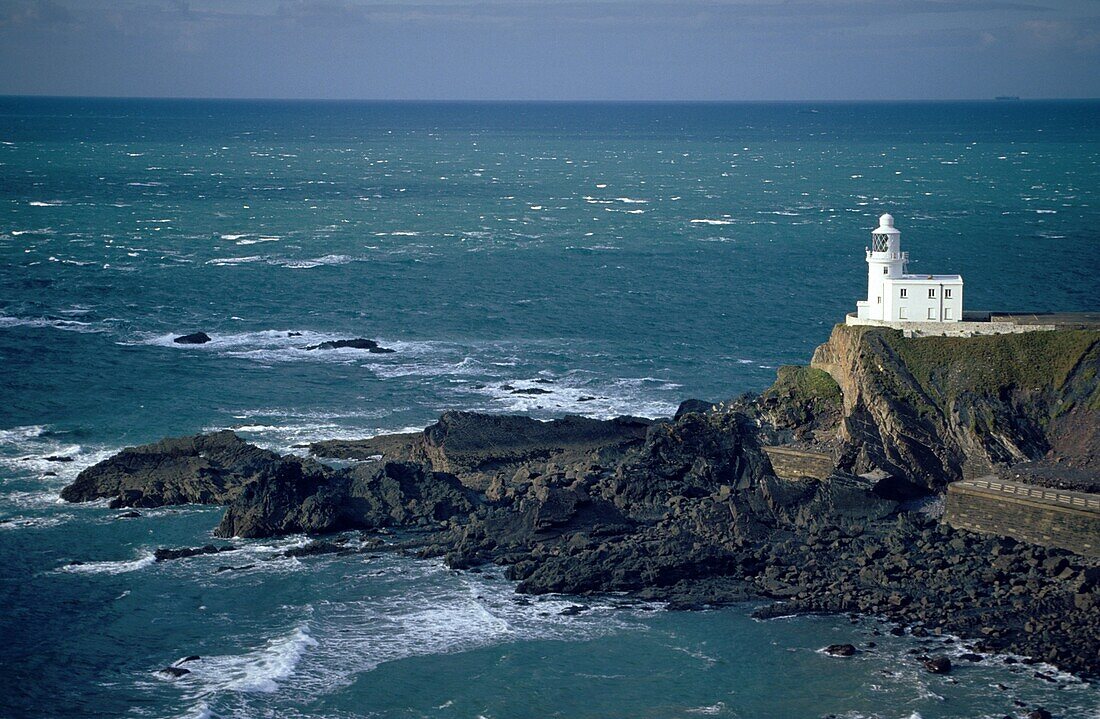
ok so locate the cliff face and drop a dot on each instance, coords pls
(937, 409)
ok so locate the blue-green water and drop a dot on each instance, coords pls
(635, 254)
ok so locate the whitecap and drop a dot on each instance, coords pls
(314, 262)
(711, 222)
(116, 567)
(260, 670)
(43, 322)
(220, 261)
(44, 203)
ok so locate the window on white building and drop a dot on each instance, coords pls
(904, 293)
(878, 300)
(885, 270)
(947, 294)
(903, 313)
(931, 313)
(931, 293)
(947, 315)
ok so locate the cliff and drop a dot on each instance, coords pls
(933, 410)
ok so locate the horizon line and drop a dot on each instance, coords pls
(711, 101)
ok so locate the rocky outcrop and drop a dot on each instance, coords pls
(689, 510)
(481, 448)
(204, 469)
(367, 497)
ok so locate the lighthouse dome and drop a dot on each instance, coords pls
(887, 220)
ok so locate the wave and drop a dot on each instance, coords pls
(222, 261)
(49, 322)
(314, 262)
(260, 670)
(711, 222)
(45, 203)
(583, 394)
(116, 567)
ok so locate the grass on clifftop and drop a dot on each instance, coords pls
(805, 382)
(988, 363)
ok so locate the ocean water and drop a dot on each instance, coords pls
(632, 254)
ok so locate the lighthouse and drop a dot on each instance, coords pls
(894, 295)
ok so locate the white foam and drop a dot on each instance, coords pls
(711, 222)
(314, 262)
(119, 567)
(42, 203)
(221, 261)
(48, 322)
(584, 394)
(260, 670)
(258, 240)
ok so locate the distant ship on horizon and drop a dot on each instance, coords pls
(1007, 97)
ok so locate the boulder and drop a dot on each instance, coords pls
(937, 665)
(195, 338)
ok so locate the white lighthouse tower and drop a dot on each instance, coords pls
(894, 295)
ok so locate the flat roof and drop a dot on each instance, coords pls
(925, 278)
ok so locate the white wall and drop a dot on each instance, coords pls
(917, 306)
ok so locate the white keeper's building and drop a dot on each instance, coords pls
(893, 295)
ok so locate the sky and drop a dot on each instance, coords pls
(552, 50)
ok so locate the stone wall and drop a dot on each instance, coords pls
(949, 329)
(1050, 517)
(791, 463)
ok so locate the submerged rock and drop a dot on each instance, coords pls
(840, 650)
(358, 344)
(195, 338)
(164, 554)
(937, 665)
(174, 672)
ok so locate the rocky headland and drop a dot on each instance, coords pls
(692, 510)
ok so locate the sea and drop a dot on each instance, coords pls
(623, 256)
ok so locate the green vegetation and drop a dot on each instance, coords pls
(987, 364)
(806, 383)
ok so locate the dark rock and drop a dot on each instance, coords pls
(196, 338)
(164, 554)
(192, 658)
(840, 650)
(228, 568)
(174, 672)
(1039, 713)
(293, 334)
(693, 405)
(56, 458)
(132, 514)
(531, 390)
(315, 548)
(204, 469)
(358, 344)
(937, 665)
(573, 610)
(364, 497)
(971, 657)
